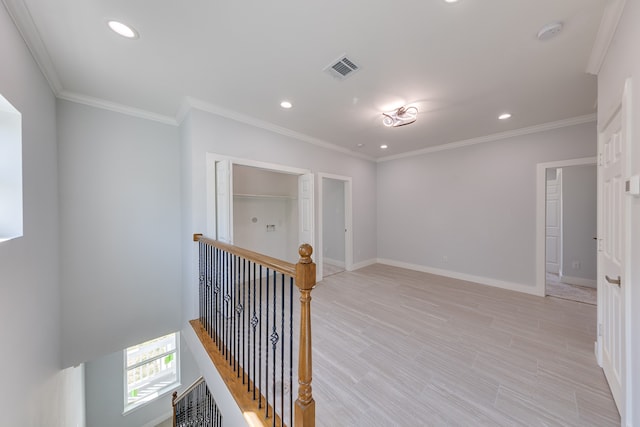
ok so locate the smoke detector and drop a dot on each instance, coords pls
(549, 31)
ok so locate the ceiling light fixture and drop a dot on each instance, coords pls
(549, 31)
(384, 146)
(450, 1)
(504, 116)
(286, 104)
(123, 29)
(402, 116)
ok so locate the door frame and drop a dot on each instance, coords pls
(541, 214)
(348, 222)
(211, 160)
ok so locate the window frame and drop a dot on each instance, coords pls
(128, 407)
(11, 198)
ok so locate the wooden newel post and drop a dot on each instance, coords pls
(305, 411)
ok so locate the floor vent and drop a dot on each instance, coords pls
(342, 67)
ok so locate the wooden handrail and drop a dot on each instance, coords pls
(178, 397)
(278, 265)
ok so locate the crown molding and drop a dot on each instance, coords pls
(608, 25)
(23, 20)
(118, 108)
(194, 103)
(495, 137)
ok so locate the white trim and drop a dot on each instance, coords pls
(348, 224)
(118, 108)
(363, 264)
(511, 286)
(257, 164)
(160, 419)
(495, 137)
(608, 25)
(191, 103)
(21, 16)
(631, 333)
(579, 281)
(541, 183)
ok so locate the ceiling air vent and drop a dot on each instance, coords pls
(342, 67)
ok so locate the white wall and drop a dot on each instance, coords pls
(35, 391)
(333, 220)
(250, 180)
(579, 224)
(120, 228)
(471, 212)
(105, 388)
(271, 199)
(623, 61)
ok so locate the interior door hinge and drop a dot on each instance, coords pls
(600, 245)
(600, 159)
(599, 329)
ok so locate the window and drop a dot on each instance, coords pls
(151, 369)
(10, 171)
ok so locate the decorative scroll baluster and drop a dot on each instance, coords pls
(266, 363)
(274, 342)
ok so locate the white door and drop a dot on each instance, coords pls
(611, 148)
(224, 201)
(305, 209)
(554, 224)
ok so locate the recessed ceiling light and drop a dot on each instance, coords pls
(286, 104)
(450, 1)
(504, 116)
(361, 145)
(123, 29)
(384, 146)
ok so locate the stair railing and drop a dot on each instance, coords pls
(195, 407)
(246, 323)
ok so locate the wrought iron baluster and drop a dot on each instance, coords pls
(274, 342)
(291, 350)
(266, 340)
(254, 323)
(244, 318)
(260, 345)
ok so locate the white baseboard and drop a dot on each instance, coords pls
(579, 281)
(518, 287)
(333, 262)
(363, 264)
(154, 423)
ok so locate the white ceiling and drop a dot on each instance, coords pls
(461, 64)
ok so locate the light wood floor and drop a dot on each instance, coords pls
(555, 288)
(394, 347)
(330, 269)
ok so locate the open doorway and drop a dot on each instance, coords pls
(335, 245)
(262, 207)
(569, 266)
(571, 231)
